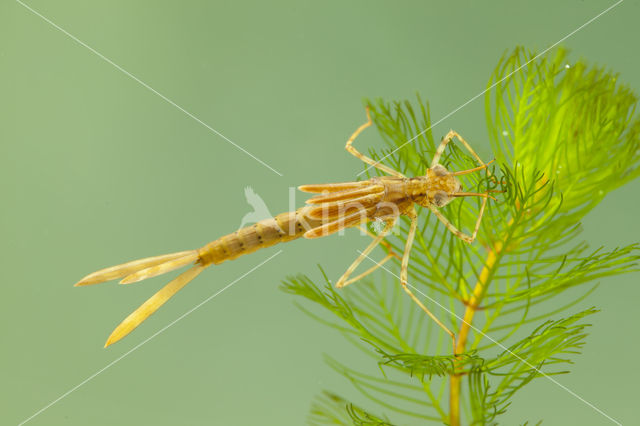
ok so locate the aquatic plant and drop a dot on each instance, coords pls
(564, 135)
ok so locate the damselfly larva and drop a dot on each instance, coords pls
(339, 206)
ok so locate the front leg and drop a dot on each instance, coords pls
(448, 138)
(466, 238)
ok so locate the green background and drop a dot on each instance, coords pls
(95, 170)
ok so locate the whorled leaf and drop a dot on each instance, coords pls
(574, 123)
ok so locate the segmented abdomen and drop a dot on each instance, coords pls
(266, 233)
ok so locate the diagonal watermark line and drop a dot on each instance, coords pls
(498, 343)
(494, 85)
(112, 363)
(127, 73)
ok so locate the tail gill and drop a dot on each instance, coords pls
(142, 269)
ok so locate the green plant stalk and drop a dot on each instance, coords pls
(463, 333)
(479, 291)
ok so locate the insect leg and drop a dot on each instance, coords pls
(344, 279)
(383, 243)
(448, 138)
(390, 254)
(404, 272)
(349, 147)
(465, 237)
(370, 270)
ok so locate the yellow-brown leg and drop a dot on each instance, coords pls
(404, 273)
(390, 254)
(448, 138)
(370, 270)
(349, 147)
(465, 237)
(344, 279)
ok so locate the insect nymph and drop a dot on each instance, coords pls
(338, 206)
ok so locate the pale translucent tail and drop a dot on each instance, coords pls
(152, 304)
(142, 269)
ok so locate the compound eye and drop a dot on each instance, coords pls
(440, 170)
(440, 199)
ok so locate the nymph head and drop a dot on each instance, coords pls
(443, 186)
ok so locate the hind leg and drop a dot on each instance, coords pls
(344, 279)
(390, 254)
(349, 147)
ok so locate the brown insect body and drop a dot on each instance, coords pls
(337, 206)
(382, 197)
(437, 188)
(266, 233)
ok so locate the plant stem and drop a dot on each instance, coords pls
(465, 327)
